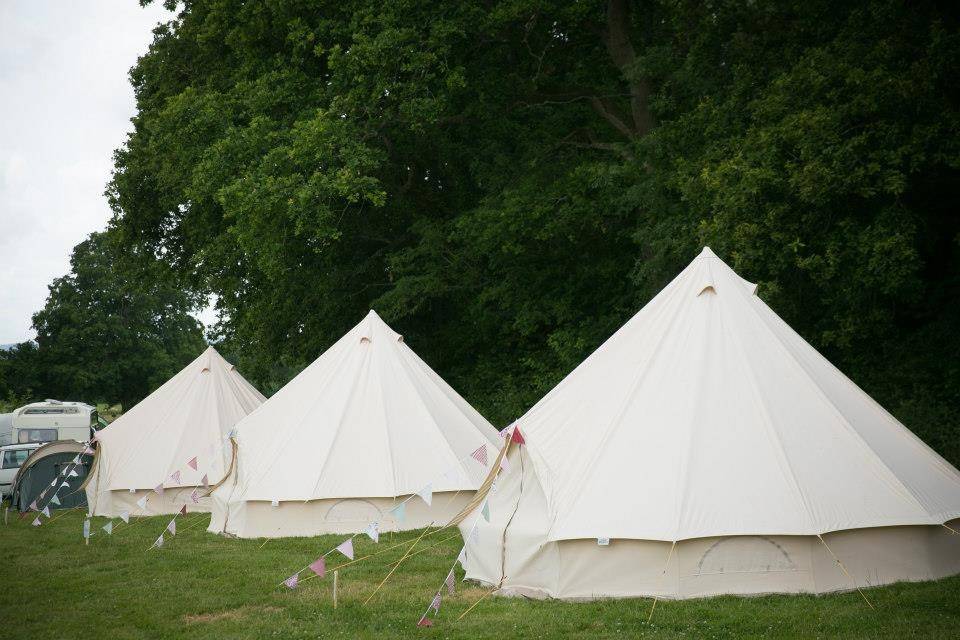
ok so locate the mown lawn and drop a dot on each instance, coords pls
(204, 586)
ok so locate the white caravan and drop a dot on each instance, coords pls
(53, 420)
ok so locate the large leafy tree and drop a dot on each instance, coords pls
(508, 181)
(114, 328)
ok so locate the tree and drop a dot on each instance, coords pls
(114, 328)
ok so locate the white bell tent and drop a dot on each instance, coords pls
(153, 445)
(358, 432)
(706, 449)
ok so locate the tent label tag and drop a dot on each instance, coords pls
(603, 542)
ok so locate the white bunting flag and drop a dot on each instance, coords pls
(108, 528)
(426, 494)
(480, 454)
(54, 500)
(373, 531)
(73, 473)
(125, 516)
(86, 528)
(159, 541)
(76, 460)
(53, 482)
(142, 502)
(36, 522)
(46, 511)
(346, 548)
(65, 484)
(172, 526)
(192, 463)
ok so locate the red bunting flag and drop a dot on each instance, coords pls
(480, 455)
(292, 581)
(192, 463)
(517, 436)
(183, 510)
(425, 622)
(319, 566)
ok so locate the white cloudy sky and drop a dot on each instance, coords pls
(65, 105)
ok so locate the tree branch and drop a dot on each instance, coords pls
(617, 39)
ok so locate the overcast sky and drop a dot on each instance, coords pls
(65, 105)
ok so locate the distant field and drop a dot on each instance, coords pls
(203, 586)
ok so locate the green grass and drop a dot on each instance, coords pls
(203, 586)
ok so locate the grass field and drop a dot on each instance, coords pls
(204, 586)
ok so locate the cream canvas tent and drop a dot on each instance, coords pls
(188, 417)
(364, 427)
(706, 449)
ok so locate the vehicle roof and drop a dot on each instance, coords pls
(24, 445)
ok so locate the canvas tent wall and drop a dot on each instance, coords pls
(47, 465)
(364, 427)
(189, 416)
(718, 453)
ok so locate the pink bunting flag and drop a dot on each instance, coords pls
(480, 454)
(435, 604)
(158, 489)
(33, 506)
(451, 583)
(172, 527)
(292, 581)
(175, 476)
(425, 622)
(87, 451)
(319, 566)
(36, 522)
(204, 481)
(346, 548)
(192, 463)
(195, 496)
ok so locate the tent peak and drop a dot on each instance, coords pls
(707, 252)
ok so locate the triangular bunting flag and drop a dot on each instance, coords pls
(76, 460)
(158, 489)
(175, 476)
(346, 548)
(435, 604)
(485, 511)
(53, 482)
(159, 541)
(192, 463)
(33, 506)
(373, 531)
(73, 473)
(292, 581)
(86, 528)
(480, 454)
(172, 527)
(46, 511)
(65, 484)
(451, 583)
(319, 566)
(426, 494)
(125, 516)
(195, 496)
(108, 528)
(142, 502)
(400, 512)
(425, 622)
(36, 522)
(517, 436)
(204, 481)
(54, 500)
(183, 510)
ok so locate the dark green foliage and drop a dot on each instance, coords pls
(508, 182)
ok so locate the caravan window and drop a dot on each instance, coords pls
(14, 458)
(37, 435)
